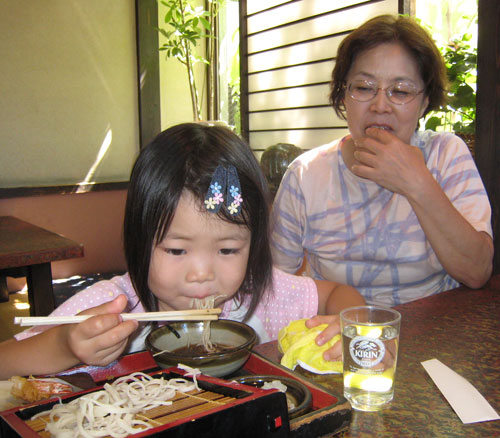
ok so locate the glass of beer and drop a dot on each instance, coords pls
(370, 339)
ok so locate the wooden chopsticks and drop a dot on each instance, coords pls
(174, 315)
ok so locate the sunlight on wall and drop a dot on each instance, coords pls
(263, 60)
(63, 88)
(100, 155)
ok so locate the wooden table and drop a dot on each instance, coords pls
(461, 328)
(27, 251)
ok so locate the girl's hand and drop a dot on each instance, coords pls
(385, 159)
(101, 339)
(334, 353)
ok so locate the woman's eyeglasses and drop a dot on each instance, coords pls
(399, 93)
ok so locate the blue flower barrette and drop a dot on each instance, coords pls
(225, 182)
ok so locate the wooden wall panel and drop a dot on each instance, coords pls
(289, 98)
(487, 150)
(288, 52)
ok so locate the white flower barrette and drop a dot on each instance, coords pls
(225, 182)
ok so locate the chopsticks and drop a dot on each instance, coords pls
(174, 315)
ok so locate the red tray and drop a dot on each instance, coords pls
(330, 413)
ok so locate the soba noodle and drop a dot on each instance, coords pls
(206, 303)
(115, 410)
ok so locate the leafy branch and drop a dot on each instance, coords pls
(461, 65)
(186, 27)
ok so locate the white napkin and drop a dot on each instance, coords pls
(464, 398)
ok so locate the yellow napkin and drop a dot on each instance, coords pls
(297, 343)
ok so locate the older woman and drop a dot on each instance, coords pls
(398, 213)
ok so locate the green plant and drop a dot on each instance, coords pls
(460, 112)
(187, 25)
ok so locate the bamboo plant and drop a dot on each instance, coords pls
(186, 25)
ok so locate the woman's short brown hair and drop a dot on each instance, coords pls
(385, 29)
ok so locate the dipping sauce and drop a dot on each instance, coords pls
(197, 350)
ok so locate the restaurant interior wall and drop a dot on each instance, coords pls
(93, 219)
(51, 105)
(69, 103)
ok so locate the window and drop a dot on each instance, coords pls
(229, 65)
(453, 25)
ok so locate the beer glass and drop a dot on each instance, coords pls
(370, 338)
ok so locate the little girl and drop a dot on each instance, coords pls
(196, 226)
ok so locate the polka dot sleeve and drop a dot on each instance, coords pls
(293, 297)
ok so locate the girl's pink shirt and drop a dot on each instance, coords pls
(291, 298)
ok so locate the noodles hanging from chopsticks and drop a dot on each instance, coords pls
(206, 303)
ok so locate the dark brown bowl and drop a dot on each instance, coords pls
(164, 341)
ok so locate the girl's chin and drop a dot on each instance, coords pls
(164, 307)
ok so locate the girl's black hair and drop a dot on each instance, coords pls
(184, 157)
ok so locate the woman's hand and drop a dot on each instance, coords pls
(385, 159)
(334, 353)
(101, 339)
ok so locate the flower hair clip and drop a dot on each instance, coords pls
(224, 181)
